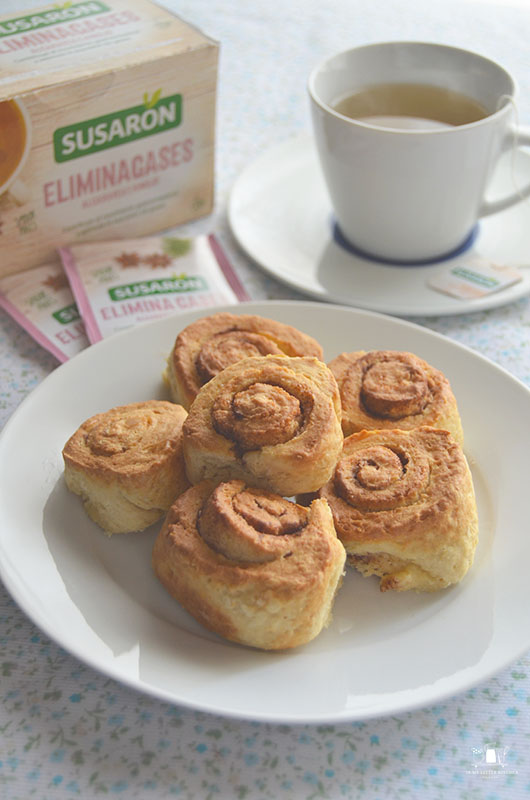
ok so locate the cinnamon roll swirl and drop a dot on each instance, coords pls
(127, 464)
(207, 346)
(250, 565)
(272, 421)
(404, 507)
(392, 389)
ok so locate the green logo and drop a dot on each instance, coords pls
(157, 114)
(176, 284)
(67, 314)
(61, 13)
(475, 277)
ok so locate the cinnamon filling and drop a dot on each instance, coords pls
(395, 388)
(246, 524)
(226, 348)
(269, 513)
(380, 478)
(120, 433)
(378, 468)
(260, 415)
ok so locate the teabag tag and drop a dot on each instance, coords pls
(120, 284)
(474, 277)
(41, 301)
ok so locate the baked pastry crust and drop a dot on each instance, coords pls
(404, 507)
(393, 389)
(273, 421)
(212, 343)
(127, 464)
(251, 566)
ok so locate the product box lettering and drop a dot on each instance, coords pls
(107, 125)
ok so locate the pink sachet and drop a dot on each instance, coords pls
(120, 284)
(41, 301)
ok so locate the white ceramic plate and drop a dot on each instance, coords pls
(280, 214)
(382, 654)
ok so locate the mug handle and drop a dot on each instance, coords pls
(515, 137)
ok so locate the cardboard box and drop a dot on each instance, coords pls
(107, 125)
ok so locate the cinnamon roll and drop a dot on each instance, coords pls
(127, 464)
(404, 507)
(212, 343)
(249, 565)
(392, 389)
(272, 421)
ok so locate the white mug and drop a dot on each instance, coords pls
(412, 194)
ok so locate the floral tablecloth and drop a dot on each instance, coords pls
(67, 731)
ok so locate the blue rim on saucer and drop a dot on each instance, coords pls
(341, 240)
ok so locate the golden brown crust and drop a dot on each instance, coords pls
(127, 464)
(393, 389)
(273, 421)
(404, 507)
(247, 524)
(212, 343)
(228, 554)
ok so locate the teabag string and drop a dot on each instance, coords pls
(480, 276)
(524, 197)
(502, 100)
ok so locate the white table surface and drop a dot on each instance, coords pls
(67, 731)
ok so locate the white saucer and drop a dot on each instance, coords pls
(280, 214)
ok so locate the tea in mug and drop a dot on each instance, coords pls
(12, 139)
(410, 105)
